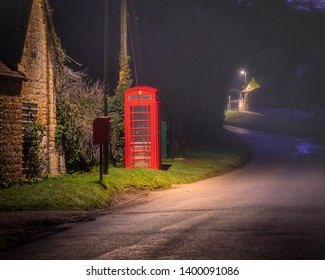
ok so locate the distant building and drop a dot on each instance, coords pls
(27, 83)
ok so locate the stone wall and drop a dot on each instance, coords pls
(10, 129)
(36, 64)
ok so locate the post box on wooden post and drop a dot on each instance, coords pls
(101, 136)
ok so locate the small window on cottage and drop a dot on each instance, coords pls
(29, 115)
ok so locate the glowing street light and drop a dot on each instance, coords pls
(242, 95)
(243, 73)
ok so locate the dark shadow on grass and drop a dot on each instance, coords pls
(165, 166)
(102, 184)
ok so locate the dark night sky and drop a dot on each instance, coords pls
(191, 50)
(79, 24)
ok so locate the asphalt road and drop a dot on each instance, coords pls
(273, 208)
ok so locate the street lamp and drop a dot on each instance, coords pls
(242, 72)
(242, 93)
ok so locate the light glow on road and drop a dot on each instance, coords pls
(308, 147)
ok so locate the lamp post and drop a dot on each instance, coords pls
(242, 105)
(243, 73)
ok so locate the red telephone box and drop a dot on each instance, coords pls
(142, 127)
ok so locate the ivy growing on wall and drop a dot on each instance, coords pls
(67, 137)
(74, 119)
(78, 104)
(57, 52)
(32, 150)
(116, 110)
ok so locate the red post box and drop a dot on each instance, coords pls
(142, 127)
(101, 130)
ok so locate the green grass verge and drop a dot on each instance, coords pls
(73, 192)
(84, 192)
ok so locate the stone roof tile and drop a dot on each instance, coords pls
(6, 72)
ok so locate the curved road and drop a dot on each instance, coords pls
(273, 208)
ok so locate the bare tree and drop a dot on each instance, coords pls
(82, 99)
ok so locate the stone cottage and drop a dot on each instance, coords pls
(27, 83)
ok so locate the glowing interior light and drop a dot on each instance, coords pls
(140, 92)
